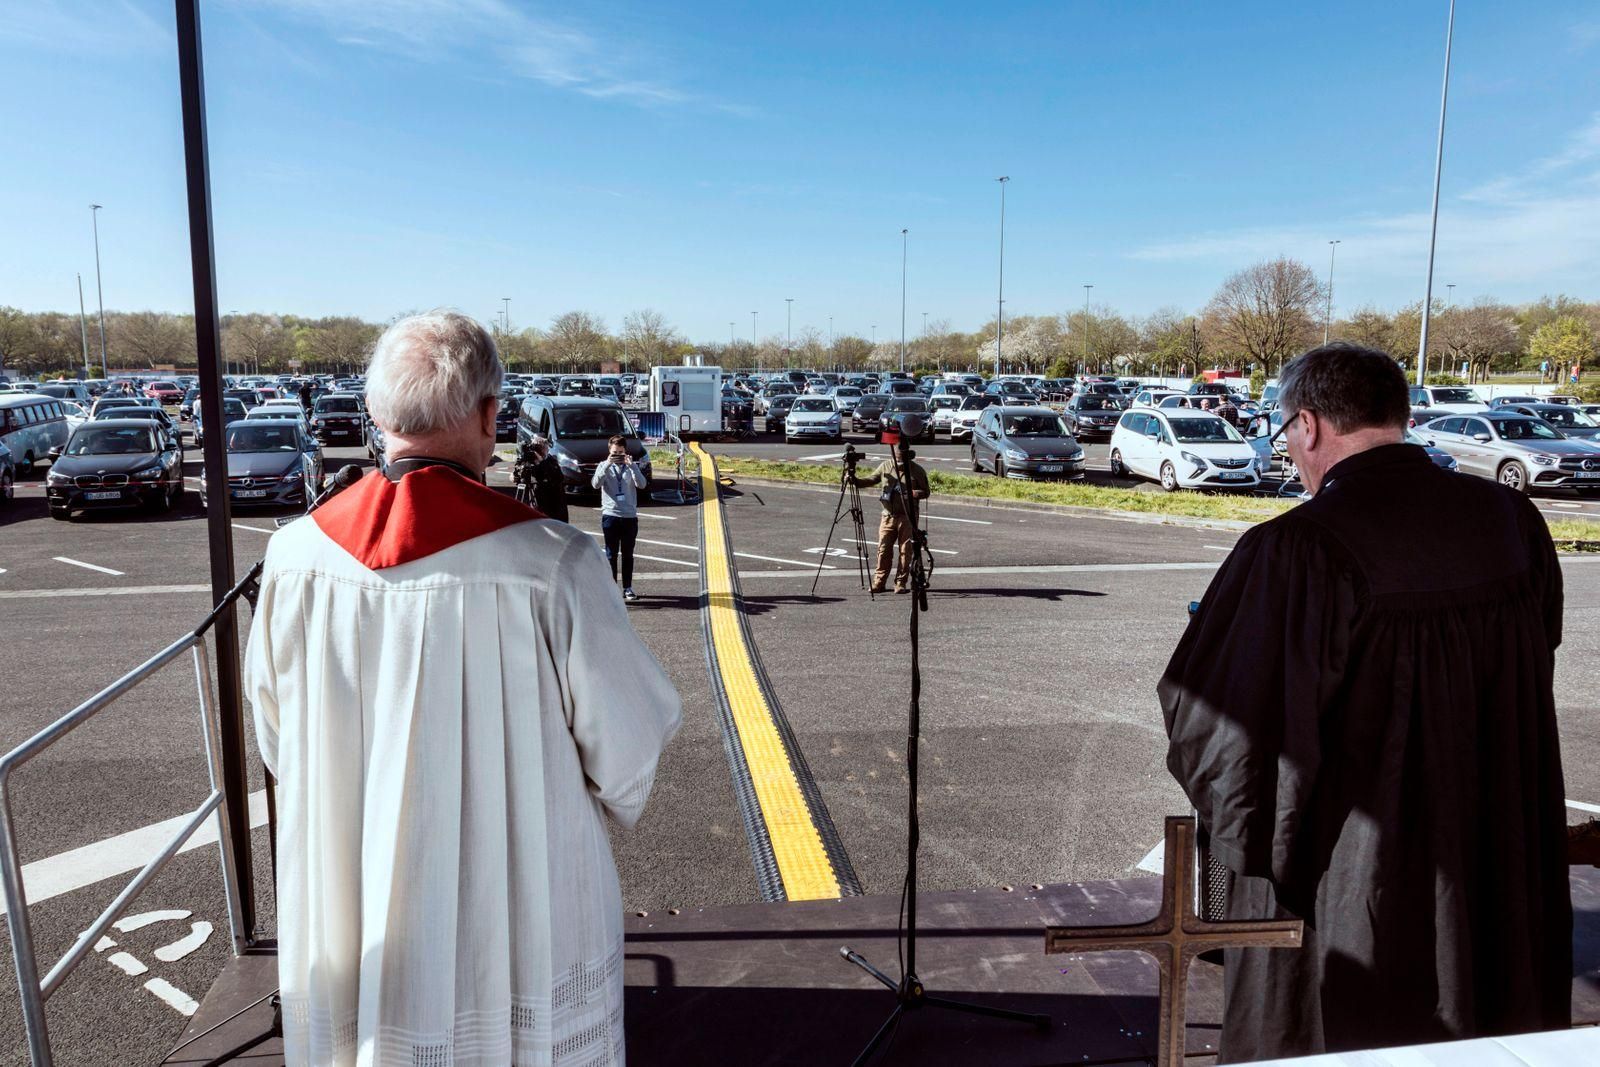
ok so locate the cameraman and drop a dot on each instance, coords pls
(619, 480)
(894, 529)
(546, 485)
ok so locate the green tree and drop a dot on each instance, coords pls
(1565, 341)
(1267, 310)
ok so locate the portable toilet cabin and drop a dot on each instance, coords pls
(690, 398)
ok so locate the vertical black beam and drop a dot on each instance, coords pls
(208, 349)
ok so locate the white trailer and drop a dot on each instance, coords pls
(690, 398)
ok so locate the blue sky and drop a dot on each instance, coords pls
(710, 159)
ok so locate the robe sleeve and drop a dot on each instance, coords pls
(260, 678)
(1246, 690)
(621, 706)
(1546, 566)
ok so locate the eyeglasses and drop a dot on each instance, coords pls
(1279, 432)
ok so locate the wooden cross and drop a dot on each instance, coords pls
(1175, 937)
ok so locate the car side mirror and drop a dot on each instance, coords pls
(55, 452)
(1483, 437)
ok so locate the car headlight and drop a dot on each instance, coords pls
(567, 461)
(149, 472)
(1543, 461)
(1015, 455)
(1076, 456)
(1451, 464)
(58, 479)
(294, 476)
(1190, 457)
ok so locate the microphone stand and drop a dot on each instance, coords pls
(908, 992)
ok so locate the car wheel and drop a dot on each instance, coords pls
(976, 466)
(25, 468)
(1118, 468)
(1514, 475)
(8, 489)
(1169, 478)
(999, 467)
(61, 514)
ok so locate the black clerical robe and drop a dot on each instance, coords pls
(1362, 714)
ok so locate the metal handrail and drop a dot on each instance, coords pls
(31, 990)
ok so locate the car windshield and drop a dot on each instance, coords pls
(591, 422)
(1565, 416)
(262, 437)
(908, 403)
(847, 390)
(337, 403)
(1203, 431)
(945, 403)
(111, 441)
(1525, 430)
(1035, 426)
(813, 403)
(1455, 396)
(1100, 403)
(976, 403)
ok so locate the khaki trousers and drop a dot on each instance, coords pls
(893, 531)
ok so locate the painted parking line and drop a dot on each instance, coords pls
(775, 559)
(663, 559)
(87, 566)
(1219, 548)
(827, 455)
(1578, 805)
(125, 590)
(255, 529)
(1558, 504)
(940, 551)
(952, 518)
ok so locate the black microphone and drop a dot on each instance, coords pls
(347, 476)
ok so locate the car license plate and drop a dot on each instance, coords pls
(1587, 474)
(1235, 476)
(1050, 468)
(102, 496)
(249, 494)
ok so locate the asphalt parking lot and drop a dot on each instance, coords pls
(1043, 749)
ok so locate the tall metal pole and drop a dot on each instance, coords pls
(83, 329)
(1327, 319)
(219, 518)
(788, 328)
(1000, 308)
(507, 301)
(100, 294)
(1086, 289)
(1438, 170)
(755, 341)
(903, 239)
(730, 335)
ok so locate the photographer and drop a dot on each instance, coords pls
(540, 475)
(894, 529)
(619, 480)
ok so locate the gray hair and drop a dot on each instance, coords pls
(430, 372)
(1352, 386)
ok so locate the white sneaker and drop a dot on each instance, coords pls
(629, 595)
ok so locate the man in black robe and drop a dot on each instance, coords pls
(1362, 714)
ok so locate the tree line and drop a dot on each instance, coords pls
(1258, 318)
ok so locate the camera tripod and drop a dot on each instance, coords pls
(851, 495)
(909, 994)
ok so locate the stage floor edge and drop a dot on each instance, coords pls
(764, 985)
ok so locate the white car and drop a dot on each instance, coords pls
(845, 398)
(966, 415)
(1152, 398)
(943, 407)
(813, 417)
(1447, 399)
(1183, 449)
(76, 413)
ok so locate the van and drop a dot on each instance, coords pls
(75, 391)
(30, 426)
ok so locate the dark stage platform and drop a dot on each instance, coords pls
(763, 985)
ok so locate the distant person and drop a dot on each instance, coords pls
(455, 706)
(895, 543)
(1362, 714)
(1228, 410)
(619, 480)
(542, 474)
(305, 396)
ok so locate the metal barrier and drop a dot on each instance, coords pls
(32, 991)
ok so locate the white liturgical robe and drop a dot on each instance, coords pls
(453, 700)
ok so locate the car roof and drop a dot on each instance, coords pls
(1025, 409)
(579, 402)
(115, 423)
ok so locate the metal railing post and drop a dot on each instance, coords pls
(209, 729)
(27, 965)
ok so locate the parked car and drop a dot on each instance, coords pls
(1568, 420)
(505, 417)
(1183, 449)
(341, 417)
(115, 463)
(950, 387)
(777, 408)
(77, 391)
(1093, 414)
(966, 416)
(773, 389)
(1150, 398)
(845, 398)
(233, 409)
(76, 414)
(899, 406)
(868, 415)
(1518, 451)
(1447, 399)
(1025, 442)
(105, 403)
(1512, 401)
(8, 475)
(157, 416)
(191, 400)
(942, 408)
(271, 462)
(31, 427)
(813, 417)
(164, 392)
(579, 429)
(1217, 389)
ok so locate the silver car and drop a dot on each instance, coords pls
(814, 417)
(1518, 451)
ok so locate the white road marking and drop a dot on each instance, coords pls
(1578, 805)
(198, 932)
(87, 566)
(71, 870)
(775, 559)
(669, 544)
(663, 559)
(126, 964)
(253, 529)
(940, 551)
(952, 518)
(103, 944)
(32, 594)
(129, 923)
(1219, 548)
(1558, 504)
(663, 518)
(819, 551)
(1154, 860)
(826, 455)
(174, 997)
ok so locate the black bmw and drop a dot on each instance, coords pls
(115, 463)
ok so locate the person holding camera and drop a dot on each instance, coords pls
(544, 483)
(619, 480)
(894, 529)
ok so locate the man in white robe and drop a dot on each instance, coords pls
(449, 691)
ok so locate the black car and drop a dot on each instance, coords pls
(186, 406)
(777, 411)
(271, 462)
(155, 416)
(115, 463)
(1091, 414)
(505, 418)
(546, 386)
(868, 415)
(898, 406)
(738, 413)
(248, 397)
(232, 411)
(579, 429)
(339, 417)
(1569, 421)
(8, 475)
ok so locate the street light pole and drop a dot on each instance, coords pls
(1086, 289)
(94, 216)
(903, 240)
(83, 328)
(1327, 319)
(1438, 170)
(754, 340)
(788, 326)
(730, 335)
(507, 327)
(1000, 307)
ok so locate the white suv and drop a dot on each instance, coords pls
(1183, 449)
(1447, 399)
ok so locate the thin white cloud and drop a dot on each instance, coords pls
(95, 27)
(494, 33)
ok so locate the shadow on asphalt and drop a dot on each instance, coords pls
(753, 605)
(997, 591)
